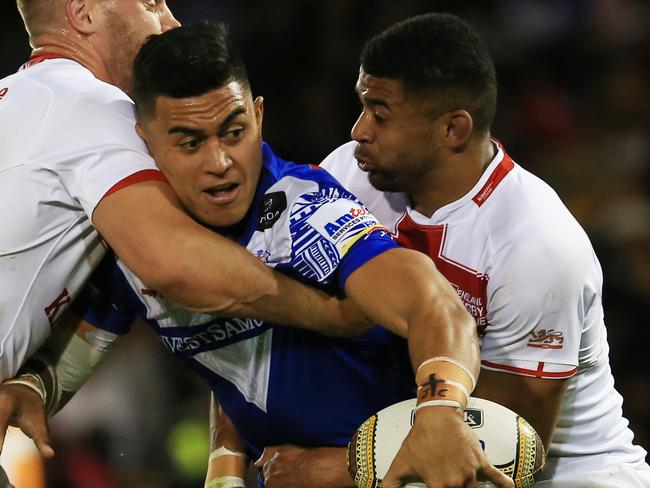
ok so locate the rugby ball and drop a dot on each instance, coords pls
(510, 443)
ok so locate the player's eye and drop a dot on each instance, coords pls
(190, 145)
(233, 133)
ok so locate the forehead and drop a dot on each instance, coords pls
(210, 108)
(372, 89)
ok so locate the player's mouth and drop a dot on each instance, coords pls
(222, 194)
(363, 161)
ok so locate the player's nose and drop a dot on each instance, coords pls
(167, 19)
(362, 130)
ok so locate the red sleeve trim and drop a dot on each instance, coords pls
(537, 373)
(139, 177)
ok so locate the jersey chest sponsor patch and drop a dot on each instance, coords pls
(188, 341)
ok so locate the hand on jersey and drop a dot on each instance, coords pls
(22, 407)
(442, 450)
(289, 466)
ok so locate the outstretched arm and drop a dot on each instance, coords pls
(402, 290)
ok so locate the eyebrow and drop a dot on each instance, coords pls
(373, 102)
(179, 129)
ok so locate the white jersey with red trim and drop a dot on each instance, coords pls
(67, 140)
(527, 272)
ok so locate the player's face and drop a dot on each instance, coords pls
(210, 149)
(395, 135)
(127, 24)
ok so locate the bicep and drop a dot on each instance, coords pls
(537, 400)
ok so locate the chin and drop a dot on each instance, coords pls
(383, 183)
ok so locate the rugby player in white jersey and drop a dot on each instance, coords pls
(204, 128)
(516, 256)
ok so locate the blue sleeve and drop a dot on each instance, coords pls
(332, 232)
(371, 245)
(105, 300)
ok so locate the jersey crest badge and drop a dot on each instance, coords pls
(546, 339)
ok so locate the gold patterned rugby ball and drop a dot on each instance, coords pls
(510, 443)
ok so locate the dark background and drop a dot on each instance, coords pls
(573, 108)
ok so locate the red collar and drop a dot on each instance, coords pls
(39, 58)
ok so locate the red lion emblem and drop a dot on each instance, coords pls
(546, 339)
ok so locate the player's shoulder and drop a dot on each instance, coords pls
(529, 227)
(298, 179)
(341, 164)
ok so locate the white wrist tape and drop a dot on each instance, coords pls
(439, 403)
(36, 384)
(452, 361)
(224, 451)
(226, 482)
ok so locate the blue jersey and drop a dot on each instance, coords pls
(281, 384)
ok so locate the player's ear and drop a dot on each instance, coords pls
(258, 105)
(141, 133)
(456, 128)
(82, 15)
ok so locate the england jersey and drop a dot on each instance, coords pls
(527, 272)
(282, 384)
(67, 140)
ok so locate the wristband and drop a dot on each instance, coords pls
(439, 403)
(29, 380)
(224, 451)
(226, 482)
(449, 360)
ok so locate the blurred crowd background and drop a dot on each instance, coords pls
(573, 108)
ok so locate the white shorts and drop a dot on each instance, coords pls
(618, 476)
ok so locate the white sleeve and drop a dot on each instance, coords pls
(93, 147)
(536, 308)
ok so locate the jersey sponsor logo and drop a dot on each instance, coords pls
(3, 92)
(187, 341)
(546, 339)
(473, 417)
(59, 303)
(344, 230)
(272, 207)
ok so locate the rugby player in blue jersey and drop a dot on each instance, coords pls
(276, 384)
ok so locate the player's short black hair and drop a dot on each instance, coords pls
(188, 61)
(438, 56)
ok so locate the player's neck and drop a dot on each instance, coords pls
(77, 49)
(452, 179)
